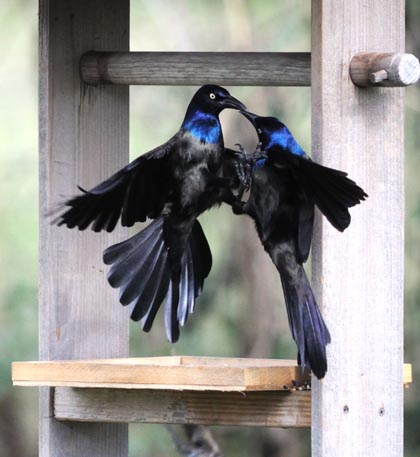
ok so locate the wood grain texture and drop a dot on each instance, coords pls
(384, 69)
(260, 409)
(83, 139)
(197, 68)
(173, 373)
(357, 409)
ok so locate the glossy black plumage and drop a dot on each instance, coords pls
(285, 186)
(173, 184)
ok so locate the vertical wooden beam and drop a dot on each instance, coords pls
(83, 138)
(358, 409)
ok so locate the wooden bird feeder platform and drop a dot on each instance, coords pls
(178, 389)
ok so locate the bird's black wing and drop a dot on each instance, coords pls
(305, 207)
(305, 229)
(331, 190)
(136, 192)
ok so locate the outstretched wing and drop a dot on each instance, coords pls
(331, 190)
(136, 192)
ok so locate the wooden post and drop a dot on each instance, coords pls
(83, 139)
(358, 276)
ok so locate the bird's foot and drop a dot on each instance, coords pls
(257, 155)
(243, 168)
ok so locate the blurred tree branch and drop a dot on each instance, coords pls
(195, 441)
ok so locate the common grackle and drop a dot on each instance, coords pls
(285, 185)
(172, 184)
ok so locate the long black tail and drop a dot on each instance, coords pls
(332, 191)
(306, 323)
(142, 272)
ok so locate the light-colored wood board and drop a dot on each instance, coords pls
(197, 68)
(358, 275)
(178, 373)
(176, 360)
(407, 374)
(83, 136)
(261, 409)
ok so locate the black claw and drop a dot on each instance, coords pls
(257, 155)
(242, 150)
(243, 168)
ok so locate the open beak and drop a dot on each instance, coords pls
(250, 116)
(232, 102)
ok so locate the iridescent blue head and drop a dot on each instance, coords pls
(202, 117)
(273, 134)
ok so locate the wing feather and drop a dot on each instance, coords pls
(134, 193)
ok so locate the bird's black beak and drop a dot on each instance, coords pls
(232, 102)
(250, 116)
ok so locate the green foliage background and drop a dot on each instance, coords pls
(227, 322)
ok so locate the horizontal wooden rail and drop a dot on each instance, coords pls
(197, 68)
(260, 409)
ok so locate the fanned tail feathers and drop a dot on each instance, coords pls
(140, 268)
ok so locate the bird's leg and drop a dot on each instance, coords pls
(243, 169)
(257, 155)
(238, 206)
(227, 196)
(240, 181)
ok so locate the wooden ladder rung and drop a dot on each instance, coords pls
(197, 68)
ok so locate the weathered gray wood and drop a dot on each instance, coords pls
(384, 69)
(260, 409)
(83, 138)
(197, 68)
(358, 276)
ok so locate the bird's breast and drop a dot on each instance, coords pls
(194, 151)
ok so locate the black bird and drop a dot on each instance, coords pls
(286, 184)
(172, 184)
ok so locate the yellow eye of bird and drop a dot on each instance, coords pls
(212, 96)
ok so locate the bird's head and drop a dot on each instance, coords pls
(266, 127)
(273, 134)
(212, 99)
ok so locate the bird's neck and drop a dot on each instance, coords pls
(258, 164)
(204, 126)
(284, 140)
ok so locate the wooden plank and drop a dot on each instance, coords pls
(260, 409)
(407, 374)
(83, 139)
(358, 276)
(178, 373)
(197, 68)
(175, 373)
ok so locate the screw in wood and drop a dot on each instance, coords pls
(346, 409)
